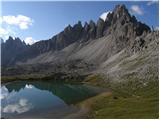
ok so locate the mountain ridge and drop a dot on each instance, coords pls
(78, 33)
(86, 49)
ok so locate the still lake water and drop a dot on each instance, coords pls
(42, 99)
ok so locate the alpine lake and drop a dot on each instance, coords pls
(39, 99)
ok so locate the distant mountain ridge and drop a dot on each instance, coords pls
(120, 28)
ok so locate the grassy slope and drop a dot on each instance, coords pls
(126, 100)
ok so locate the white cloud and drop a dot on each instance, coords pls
(29, 86)
(152, 2)
(104, 15)
(10, 25)
(6, 32)
(1, 20)
(23, 22)
(3, 31)
(23, 102)
(136, 9)
(22, 106)
(29, 40)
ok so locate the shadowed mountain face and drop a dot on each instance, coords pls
(87, 46)
(10, 49)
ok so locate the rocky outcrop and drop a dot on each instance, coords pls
(100, 28)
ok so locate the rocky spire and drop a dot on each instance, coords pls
(100, 28)
(120, 13)
(86, 26)
(1, 40)
(92, 30)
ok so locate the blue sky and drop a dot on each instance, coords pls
(34, 21)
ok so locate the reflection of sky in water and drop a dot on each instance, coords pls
(21, 106)
(28, 98)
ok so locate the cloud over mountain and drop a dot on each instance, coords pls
(104, 15)
(5, 32)
(136, 10)
(29, 40)
(23, 22)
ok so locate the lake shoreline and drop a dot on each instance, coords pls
(85, 107)
(57, 77)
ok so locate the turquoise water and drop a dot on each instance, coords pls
(42, 99)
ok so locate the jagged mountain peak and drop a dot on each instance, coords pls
(86, 25)
(18, 39)
(121, 10)
(1, 40)
(68, 28)
(91, 22)
(10, 38)
(119, 24)
(119, 13)
(120, 7)
(104, 15)
(14, 41)
(78, 25)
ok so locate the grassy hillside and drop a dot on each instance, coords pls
(131, 99)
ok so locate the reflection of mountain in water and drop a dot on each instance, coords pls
(16, 86)
(69, 93)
